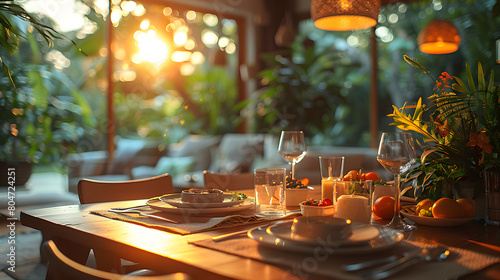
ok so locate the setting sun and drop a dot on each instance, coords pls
(151, 48)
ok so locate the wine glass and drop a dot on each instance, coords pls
(292, 147)
(396, 153)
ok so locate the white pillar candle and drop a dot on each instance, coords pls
(353, 207)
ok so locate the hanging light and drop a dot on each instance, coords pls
(344, 15)
(439, 37)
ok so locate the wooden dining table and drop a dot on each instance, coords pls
(74, 229)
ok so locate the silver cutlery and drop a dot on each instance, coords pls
(238, 233)
(132, 210)
(129, 208)
(370, 263)
(429, 254)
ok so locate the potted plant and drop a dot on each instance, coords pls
(460, 129)
(42, 113)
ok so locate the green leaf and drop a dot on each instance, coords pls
(7, 72)
(481, 84)
(470, 80)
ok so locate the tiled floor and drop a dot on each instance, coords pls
(42, 190)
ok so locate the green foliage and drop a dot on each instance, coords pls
(302, 91)
(42, 112)
(462, 135)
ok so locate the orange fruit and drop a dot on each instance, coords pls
(384, 207)
(372, 176)
(351, 175)
(468, 206)
(447, 208)
(424, 204)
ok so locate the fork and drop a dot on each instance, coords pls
(238, 233)
(132, 210)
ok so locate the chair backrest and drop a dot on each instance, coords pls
(91, 191)
(236, 181)
(63, 268)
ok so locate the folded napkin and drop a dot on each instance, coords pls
(310, 266)
(188, 224)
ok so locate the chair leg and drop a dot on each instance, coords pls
(107, 261)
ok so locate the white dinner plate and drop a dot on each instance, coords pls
(361, 233)
(386, 239)
(436, 222)
(175, 200)
(156, 203)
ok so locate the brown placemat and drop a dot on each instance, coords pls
(189, 224)
(308, 266)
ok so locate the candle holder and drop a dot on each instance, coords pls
(353, 200)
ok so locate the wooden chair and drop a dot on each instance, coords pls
(91, 191)
(236, 181)
(60, 267)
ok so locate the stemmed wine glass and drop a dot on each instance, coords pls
(396, 153)
(292, 147)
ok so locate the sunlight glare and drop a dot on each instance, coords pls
(151, 48)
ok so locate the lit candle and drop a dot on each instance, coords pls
(327, 188)
(353, 207)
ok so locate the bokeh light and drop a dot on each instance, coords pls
(209, 37)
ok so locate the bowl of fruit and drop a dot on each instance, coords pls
(445, 212)
(312, 207)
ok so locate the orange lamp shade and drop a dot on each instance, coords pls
(438, 37)
(344, 15)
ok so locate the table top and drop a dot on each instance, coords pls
(76, 225)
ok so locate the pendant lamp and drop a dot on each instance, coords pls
(344, 15)
(438, 37)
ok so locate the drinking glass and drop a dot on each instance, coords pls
(292, 147)
(331, 169)
(396, 153)
(270, 192)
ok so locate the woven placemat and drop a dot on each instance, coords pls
(189, 224)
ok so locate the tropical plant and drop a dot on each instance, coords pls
(301, 92)
(42, 112)
(461, 137)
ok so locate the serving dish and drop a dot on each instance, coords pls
(158, 204)
(176, 200)
(436, 222)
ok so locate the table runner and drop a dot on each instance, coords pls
(308, 266)
(189, 224)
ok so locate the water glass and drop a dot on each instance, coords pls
(332, 169)
(270, 192)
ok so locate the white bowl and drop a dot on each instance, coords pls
(311, 211)
(294, 197)
(335, 229)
